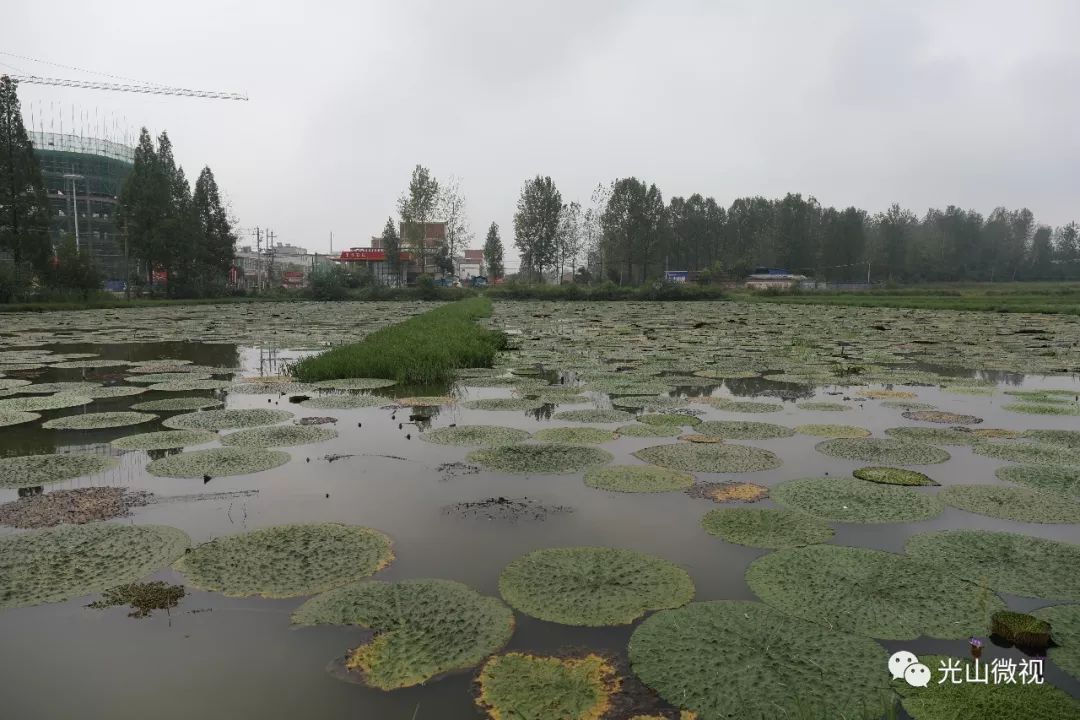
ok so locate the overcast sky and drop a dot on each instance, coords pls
(858, 103)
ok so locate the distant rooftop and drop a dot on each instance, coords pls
(56, 142)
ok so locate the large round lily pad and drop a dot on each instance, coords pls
(1065, 630)
(1011, 563)
(575, 435)
(734, 659)
(517, 685)
(29, 470)
(696, 457)
(893, 476)
(98, 421)
(941, 416)
(423, 628)
(278, 436)
(346, 401)
(43, 566)
(163, 440)
(743, 430)
(871, 592)
(542, 458)
(670, 419)
(217, 462)
(640, 430)
(43, 402)
(637, 478)
(214, 420)
(177, 404)
(1025, 452)
(520, 404)
(765, 527)
(933, 435)
(1064, 438)
(287, 560)
(16, 417)
(1013, 503)
(1062, 479)
(845, 499)
(475, 435)
(832, 431)
(593, 586)
(823, 406)
(600, 416)
(356, 383)
(189, 385)
(977, 700)
(887, 451)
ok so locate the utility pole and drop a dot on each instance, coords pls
(331, 242)
(74, 204)
(258, 259)
(269, 257)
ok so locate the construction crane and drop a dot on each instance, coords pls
(145, 89)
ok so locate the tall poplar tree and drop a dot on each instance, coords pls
(24, 207)
(493, 253)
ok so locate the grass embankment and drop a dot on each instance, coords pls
(424, 349)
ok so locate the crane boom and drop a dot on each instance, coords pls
(145, 89)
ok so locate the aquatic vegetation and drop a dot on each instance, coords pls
(882, 450)
(844, 499)
(575, 435)
(504, 508)
(594, 416)
(162, 377)
(1021, 629)
(1065, 632)
(1031, 453)
(672, 419)
(726, 492)
(518, 685)
(278, 436)
(86, 364)
(699, 438)
(248, 387)
(593, 586)
(214, 420)
(29, 470)
(541, 459)
(98, 421)
(743, 406)
(831, 675)
(647, 402)
(287, 560)
(933, 436)
(832, 431)
(143, 598)
(886, 394)
(975, 701)
(893, 476)
(637, 478)
(1011, 563)
(189, 385)
(11, 383)
(1012, 503)
(1042, 409)
(694, 457)
(996, 433)
(475, 435)
(906, 405)
(58, 401)
(743, 430)
(423, 628)
(16, 417)
(346, 402)
(1062, 479)
(817, 406)
(53, 388)
(642, 430)
(425, 349)
(112, 391)
(163, 440)
(940, 416)
(75, 507)
(217, 462)
(425, 401)
(1064, 438)
(177, 404)
(519, 404)
(44, 566)
(355, 383)
(765, 527)
(870, 592)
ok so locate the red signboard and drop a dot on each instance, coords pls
(368, 255)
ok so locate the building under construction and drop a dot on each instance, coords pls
(83, 179)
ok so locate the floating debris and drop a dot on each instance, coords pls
(143, 598)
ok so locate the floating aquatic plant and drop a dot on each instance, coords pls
(475, 435)
(693, 457)
(143, 598)
(882, 450)
(726, 492)
(1021, 629)
(53, 388)
(163, 377)
(426, 401)
(781, 666)
(278, 436)
(597, 416)
(1012, 503)
(593, 586)
(45, 402)
(85, 364)
(743, 406)
(350, 401)
(1011, 563)
(163, 440)
(940, 416)
(648, 402)
(542, 459)
(637, 478)
(844, 499)
(214, 420)
(189, 385)
(886, 394)
(177, 404)
(44, 566)
(98, 421)
(1042, 409)
(355, 383)
(1064, 438)
(817, 406)
(16, 417)
(30, 470)
(75, 507)
(765, 527)
(743, 430)
(832, 431)
(11, 383)
(1065, 632)
(287, 560)
(217, 462)
(699, 438)
(672, 419)
(1064, 479)
(518, 685)
(1032, 453)
(893, 476)
(575, 435)
(642, 430)
(518, 404)
(870, 592)
(423, 628)
(933, 436)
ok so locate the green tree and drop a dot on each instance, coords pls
(1042, 253)
(570, 237)
(635, 227)
(493, 253)
(392, 247)
(215, 246)
(453, 212)
(143, 207)
(24, 207)
(895, 227)
(72, 270)
(536, 225)
(417, 208)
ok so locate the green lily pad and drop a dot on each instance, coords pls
(214, 420)
(695, 457)
(1032, 453)
(475, 435)
(765, 527)
(593, 586)
(870, 592)
(832, 431)
(44, 402)
(217, 462)
(98, 421)
(517, 685)
(1042, 408)
(164, 440)
(189, 385)
(287, 560)
(882, 450)
(356, 383)
(844, 499)
(1065, 630)
(637, 478)
(575, 435)
(15, 417)
(672, 419)
(1062, 479)
(351, 401)
(743, 406)
(598, 416)
(642, 430)
(743, 430)
(54, 388)
(1064, 438)
(518, 404)
(30, 470)
(933, 436)
(1012, 503)
(278, 436)
(941, 416)
(893, 476)
(823, 406)
(177, 404)
(543, 459)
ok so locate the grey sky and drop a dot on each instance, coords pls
(924, 103)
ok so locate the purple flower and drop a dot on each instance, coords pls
(975, 642)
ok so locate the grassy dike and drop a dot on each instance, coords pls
(424, 349)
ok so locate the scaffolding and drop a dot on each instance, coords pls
(83, 180)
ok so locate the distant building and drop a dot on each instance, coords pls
(373, 258)
(470, 265)
(764, 278)
(281, 266)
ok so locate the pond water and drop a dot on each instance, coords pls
(214, 656)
